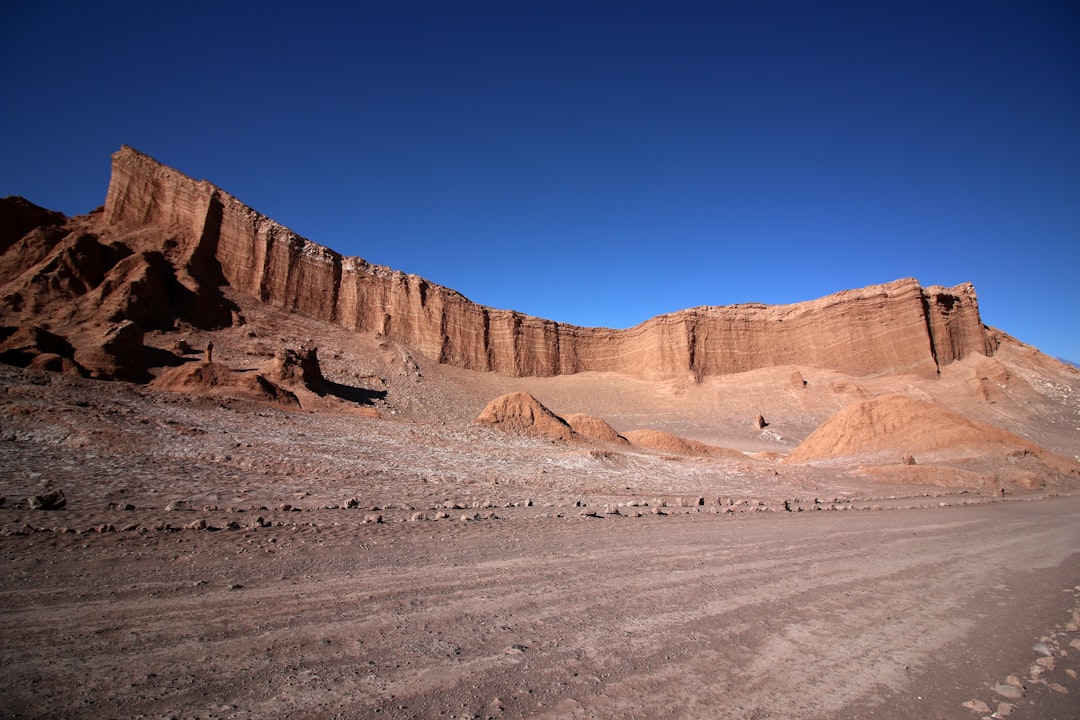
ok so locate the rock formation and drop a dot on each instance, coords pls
(522, 414)
(163, 245)
(898, 327)
(865, 430)
(209, 378)
(594, 428)
(19, 216)
(668, 443)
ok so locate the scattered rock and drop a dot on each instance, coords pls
(977, 706)
(373, 519)
(1005, 709)
(1008, 691)
(53, 500)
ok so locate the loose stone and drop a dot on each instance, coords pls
(977, 706)
(1008, 691)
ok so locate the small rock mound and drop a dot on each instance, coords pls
(116, 353)
(668, 443)
(215, 379)
(594, 428)
(26, 344)
(897, 424)
(298, 366)
(522, 414)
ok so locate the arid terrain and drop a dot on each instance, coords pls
(243, 476)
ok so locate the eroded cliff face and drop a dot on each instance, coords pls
(899, 327)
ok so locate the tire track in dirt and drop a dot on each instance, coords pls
(671, 617)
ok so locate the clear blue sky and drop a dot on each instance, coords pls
(594, 163)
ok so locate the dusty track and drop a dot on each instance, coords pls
(811, 615)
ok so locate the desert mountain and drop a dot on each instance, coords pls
(163, 245)
(136, 289)
(183, 473)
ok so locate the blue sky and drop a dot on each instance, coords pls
(594, 163)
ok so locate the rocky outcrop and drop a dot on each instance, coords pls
(665, 442)
(887, 432)
(299, 366)
(164, 243)
(522, 414)
(891, 328)
(210, 378)
(878, 427)
(594, 428)
(18, 216)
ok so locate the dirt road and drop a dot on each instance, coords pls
(883, 614)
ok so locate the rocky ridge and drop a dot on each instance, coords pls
(164, 244)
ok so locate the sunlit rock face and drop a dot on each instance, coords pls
(164, 242)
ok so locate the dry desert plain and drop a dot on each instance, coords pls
(224, 558)
(374, 498)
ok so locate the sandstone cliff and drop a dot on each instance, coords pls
(211, 239)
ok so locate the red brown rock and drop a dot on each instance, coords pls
(593, 428)
(208, 378)
(18, 216)
(874, 428)
(522, 414)
(898, 327)
(668, 443)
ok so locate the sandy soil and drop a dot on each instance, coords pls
(819, 615)
(218, 558)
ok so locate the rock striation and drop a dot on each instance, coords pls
(165, 240)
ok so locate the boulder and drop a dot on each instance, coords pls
(52, 500)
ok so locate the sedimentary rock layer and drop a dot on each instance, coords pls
(898, 327)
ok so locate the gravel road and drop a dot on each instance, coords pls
(884, 614)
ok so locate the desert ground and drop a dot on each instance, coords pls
(243, 476)
(223, 558)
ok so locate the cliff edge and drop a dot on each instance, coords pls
(211, 240)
